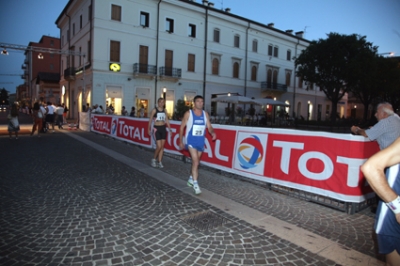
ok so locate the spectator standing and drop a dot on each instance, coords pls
(13, 123)
(38, 117)
(124, 112)
(141, 111)
(60, 112)
(133, 112)
(65, 113)
(387, 222)
(50, 114)
(196, 121)
(386, 131)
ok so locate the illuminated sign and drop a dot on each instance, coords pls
(115, 67)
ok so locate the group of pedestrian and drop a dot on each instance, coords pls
(48, 114)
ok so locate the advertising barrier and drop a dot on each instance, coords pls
(322, 163)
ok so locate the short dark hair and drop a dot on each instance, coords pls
(197, 97)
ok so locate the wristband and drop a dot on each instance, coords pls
(394, 205)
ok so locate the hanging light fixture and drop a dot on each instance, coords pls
(40, 56)
(4, 52)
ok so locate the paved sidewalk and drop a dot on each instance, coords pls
(96, 201)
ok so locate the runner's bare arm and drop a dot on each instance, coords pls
(373, 170)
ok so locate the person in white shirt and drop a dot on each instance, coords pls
(50, 114)
(59, 113)
(97, 110)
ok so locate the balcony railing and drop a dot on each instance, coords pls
(69, 73)
(23, 66)
(273, 86)
(171, 72)
(144, 69)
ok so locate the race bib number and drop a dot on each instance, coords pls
(160, 117)
(198, 130)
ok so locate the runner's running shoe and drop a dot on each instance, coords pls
(153, 163)
(190, 182)
(196, 189)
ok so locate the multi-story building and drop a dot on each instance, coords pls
(139, 50)
(41, 72)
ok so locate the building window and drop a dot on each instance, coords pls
(115, 51)
(235, 70)
(216, 35)
(144, 19)
(51, 43)
(116, 12)
(80, 22)
(80, 57)
(254, 73)
(73, 29)
(288, 55)
(191, 61)
(192, 30)
(270, 48)
(215, 66)
(255, 46)
(269, 77)
(51, 67)
(89, 51)
(169, 25)
(275, 51)
(275, 77)
(300, 83)
(236, 41)
(288, 79)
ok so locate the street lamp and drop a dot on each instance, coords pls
(40, 56)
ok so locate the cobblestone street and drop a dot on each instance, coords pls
(64, 202)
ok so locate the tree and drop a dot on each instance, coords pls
(4, 97)
(332, 64)
(180, 109)
(390, 83)
(370, 74)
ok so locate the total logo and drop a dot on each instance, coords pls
(250, 152)
(114, 127)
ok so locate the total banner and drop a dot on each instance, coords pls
(323, 163)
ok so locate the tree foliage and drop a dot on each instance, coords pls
(180, 109)
(334, 64)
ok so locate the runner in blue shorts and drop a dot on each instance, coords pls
(196, 121)
(387, 223)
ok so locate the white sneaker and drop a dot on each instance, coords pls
(160, 165)
(190, 182)
(153, 163)
(196, 189)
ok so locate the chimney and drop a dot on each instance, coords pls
(289, 31)
(205, 2)
(211, 4)
(227, 10)
(299, 34)
(271, 25)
